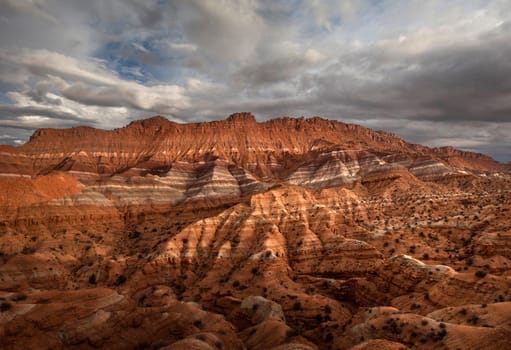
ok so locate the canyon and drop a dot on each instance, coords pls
(293, 233)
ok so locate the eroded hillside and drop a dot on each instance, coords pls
(288, 234)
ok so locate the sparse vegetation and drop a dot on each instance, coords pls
(480, 273)
(121, 279)
(295, 332)
(5, 305)
(28, 250)
(142, 345)
(19, 297)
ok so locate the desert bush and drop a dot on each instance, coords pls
(28, 250)
(120, 280)
(297, 306)
(4, 306)
(19, 297)
(294, 332)
(134, 235)
(480, 273)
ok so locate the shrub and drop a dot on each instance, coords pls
(19, 297)
(134, 235)
(120, 280)
(294, 332)
(480, 273)
(329, 337)
(4, 306)
(142, 345)
(474, 320)
(28, 250)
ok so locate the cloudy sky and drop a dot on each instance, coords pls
(435, 72)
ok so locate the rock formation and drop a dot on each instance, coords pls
(287, 234)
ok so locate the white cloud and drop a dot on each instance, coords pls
(139, 47)
(46, 63)
(313, 56)
(91, 83)
(170, 47)
(135, 71)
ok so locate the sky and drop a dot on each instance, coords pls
(435, 72)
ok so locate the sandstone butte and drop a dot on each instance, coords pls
(287, 234)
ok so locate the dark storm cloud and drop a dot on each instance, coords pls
(465, 81)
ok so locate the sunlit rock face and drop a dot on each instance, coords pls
(286, 234)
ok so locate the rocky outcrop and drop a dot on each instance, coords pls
(259, 309)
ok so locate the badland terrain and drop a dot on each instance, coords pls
(237, 234)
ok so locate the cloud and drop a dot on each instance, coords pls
(288, 66)
(30, 8)
(91, 83)
(139, 47)
(461, 81)
(223, 31)
(135, 71)
(173, 48)
(326, 12)
(434, 72)
(28, 114)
